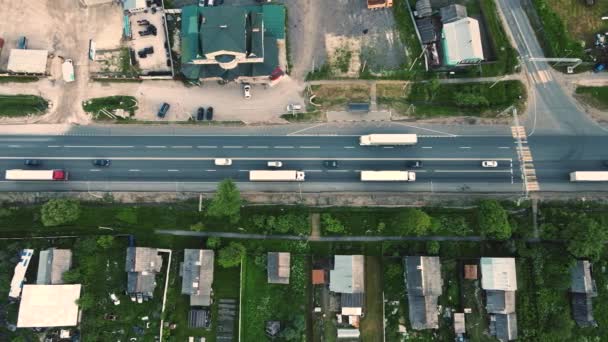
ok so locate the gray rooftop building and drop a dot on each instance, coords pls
(500, 301)
(504, 326)
(279, 264)
(424, 286)
(197, 275)
(452, 13)
(142, 264)
(52, 265)
(348, 274)
(583, 289)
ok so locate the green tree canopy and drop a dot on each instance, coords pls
(231, 255)
(213, 242)
(56, 212)
(493, 220)
(227, 202)
(586, 237)
(331, 224)
(411, 221)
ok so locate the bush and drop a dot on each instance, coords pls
(227, 202)
(231, 255)
(213, 242)
(412, 221)
(56, 212)
(493, 220)
(283, 224)
(331, 224)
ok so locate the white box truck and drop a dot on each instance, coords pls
(55, 175)
(67, 68)
(589, 176)
(276, 176)
(388, 139)
(388, 176)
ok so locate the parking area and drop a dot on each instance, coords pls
(149, 42)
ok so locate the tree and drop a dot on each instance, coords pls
(231, 255)
(493, 220)
(585, 237)
(86, 301)
(213, 242)
(105, 241)
(411, 221)
(198, 227)
(226, 202)
(331, 224)
(295, 330)
(56, 212)
(72, 276)
(432, 247)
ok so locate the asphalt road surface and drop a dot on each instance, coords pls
(186, 163)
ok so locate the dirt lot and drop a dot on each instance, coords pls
(156, 61)
(319, 29)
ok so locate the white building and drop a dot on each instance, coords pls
(461, 42)
(45, 306)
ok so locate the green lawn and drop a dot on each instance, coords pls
(101, 105)
(594, 96)
(372, 323)
(21, 105)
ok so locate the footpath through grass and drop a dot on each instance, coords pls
(594, 96)
(21, 105)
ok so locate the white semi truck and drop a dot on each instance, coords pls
(388, 176)
(388, 139)
(276, 176)
(53, 175)
(589, 176)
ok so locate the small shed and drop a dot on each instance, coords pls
(27, 61)
(318, 277)
(459, 326)
(348, 333)
(470, 272)
(423, 8)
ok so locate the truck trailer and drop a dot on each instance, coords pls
(276, 176)
(589, 176)
(54, 175)
(388, 139)
(388, 176)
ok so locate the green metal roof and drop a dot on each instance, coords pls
(189, 34)
(274, 20)
(223, 28)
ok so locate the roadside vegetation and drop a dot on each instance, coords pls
(103, 108)
(22, 105)
(596, 97)
(18, 79)
(304, 117)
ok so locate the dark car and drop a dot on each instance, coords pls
(330, 164)
(200, 113)
(143, 22)
(163, 110)
(414, 164)
(210, 113)
(32, 162)
(102, 162)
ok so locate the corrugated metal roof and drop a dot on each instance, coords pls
(348, 274)
(27, 61)
(498, 274)
(462, 41)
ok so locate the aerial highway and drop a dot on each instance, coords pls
(186, 163)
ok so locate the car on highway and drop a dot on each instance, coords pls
(275, 164)
(331, 164)
(163, 110)
(247, 90)
(416, 164)
(223, 162)
(210, 113)
(32, 162)
(200, 113)
(102, 162)
(489, 163)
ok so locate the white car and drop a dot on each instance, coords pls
(114, 299)
(489, 163)
(292, 107)
(275, 164)
(247, 90)
(223, 162)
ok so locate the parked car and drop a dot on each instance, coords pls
(210, 113)
(292, 107)
(200, 113)
(332, 164)
(102, 162)
(275, 164)
(414, 164)
(489, 163)
(163, 110)
(223, 162)
(247, 90)
(32, 162)
(143, 22)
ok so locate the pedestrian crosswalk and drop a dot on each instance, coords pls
(525, 158)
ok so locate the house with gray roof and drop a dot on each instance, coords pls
(582, 289)
(452, 13)
(197, 275)
(502, 302)
(424, 286)
(232, 43)
(279, 264)
(142, 264)
(499, 280)
(52, 264)
(504, 326)
(347, 279)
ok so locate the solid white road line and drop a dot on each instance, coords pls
(388, 147)
(173, 170)
(429, 147)
(257, 146)
(252, 158)
(54, 146)
(310, 146)
(349, 146)
(232, 146)
(94, 170)
(504, 147)
(283, 146)
(181, 146)
(338, 170)
(313, 170)
(134, 170)
(465, 147)
(210, 170)
(83, 146)
(156, 146)
(206, 146)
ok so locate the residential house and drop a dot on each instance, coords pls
(142, 265)
(47, 306)
(278, 266)
(460, 37)
(499, 280)
(583, 289)
(424, 286)
(19, 276)
(347, 279)
(197, 275)
(52, 264)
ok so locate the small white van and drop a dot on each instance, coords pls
(223, 162)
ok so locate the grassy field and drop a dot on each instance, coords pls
(21, 105)
(336, 96)
(371, 324)
(594, 96)
(98, 105)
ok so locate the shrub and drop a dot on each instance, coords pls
(56, 212)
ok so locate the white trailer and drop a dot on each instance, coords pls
(388, 139)
(388, 176)
(67, 68)
(589, 176)
(36, 175)
(276, 176)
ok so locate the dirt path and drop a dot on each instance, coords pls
(315, 224)
(303, 31)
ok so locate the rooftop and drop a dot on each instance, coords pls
(423, 275)
(498, 301)
(27, 61)
(461, 41)
(197, 275)
(498, 274)
(52, 264)
(278, 267)
(318, 277)
(581, 280)
(25, 257)
(48, 306)
(348, 274)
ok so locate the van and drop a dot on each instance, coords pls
(275, 164)
(223, 162)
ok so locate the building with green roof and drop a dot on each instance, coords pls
(231, 43)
